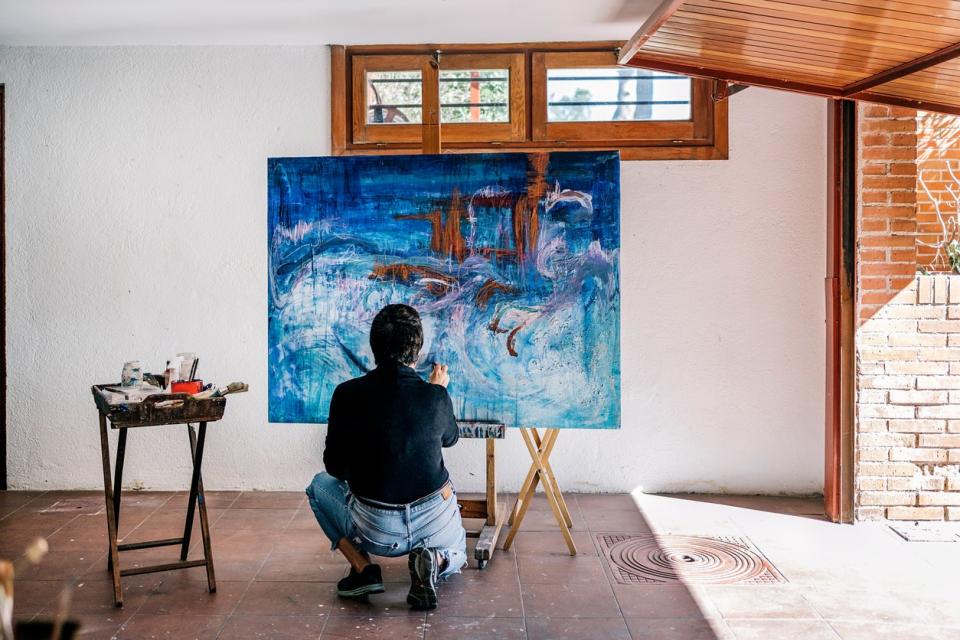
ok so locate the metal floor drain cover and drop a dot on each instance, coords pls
(649, 559)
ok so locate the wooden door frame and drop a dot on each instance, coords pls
(3, 291)
(840, 309)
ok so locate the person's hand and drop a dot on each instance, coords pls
(439, 375)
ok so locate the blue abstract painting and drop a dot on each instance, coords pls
(512, 260)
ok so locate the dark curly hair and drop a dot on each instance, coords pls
(396, 335)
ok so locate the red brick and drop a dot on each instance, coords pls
(887, 241)
(889, 182)
(903, 169)
(889, 153)
(889, 126)
(875, 111)
(886, 269)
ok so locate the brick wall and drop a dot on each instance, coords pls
(888, 196)
(907, 442)
(938, 152)
(908, 405)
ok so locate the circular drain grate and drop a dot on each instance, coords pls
(687, 558)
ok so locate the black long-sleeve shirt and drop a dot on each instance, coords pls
(386, 432)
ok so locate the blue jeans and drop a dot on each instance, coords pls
(434, 524)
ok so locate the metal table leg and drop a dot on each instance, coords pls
(202, 503)
(118, 486)
(111, 514)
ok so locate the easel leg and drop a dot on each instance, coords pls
(118, 486)
(529, 486)
(491, 481)
(540, 451)
(494, 511)
(204, 522)
(111, 521)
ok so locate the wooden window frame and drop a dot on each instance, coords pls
(703, 137)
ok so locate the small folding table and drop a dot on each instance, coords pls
(153, 411)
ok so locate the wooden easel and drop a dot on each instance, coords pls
(541, 471)
(490, 508)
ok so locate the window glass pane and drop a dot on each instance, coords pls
(475, 95)
(394, 97)
(599, 94)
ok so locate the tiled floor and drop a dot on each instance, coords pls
(275, 575)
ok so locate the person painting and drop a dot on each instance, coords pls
(386, 491)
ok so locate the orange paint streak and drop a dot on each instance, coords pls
(408, 272)
(434, 218)
(489, 288)
(510, 346)
(453, 243)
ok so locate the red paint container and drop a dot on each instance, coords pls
(191, 387)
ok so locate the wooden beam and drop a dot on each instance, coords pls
(660, 15)
(896, 101)
(904, 69)
(693, 70)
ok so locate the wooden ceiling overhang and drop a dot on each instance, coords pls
(902, 53)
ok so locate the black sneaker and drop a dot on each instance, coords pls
(360, 584)
(423, 579)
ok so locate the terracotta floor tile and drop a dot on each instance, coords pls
(782, 630)
(621, 521)
(393, 602)
(558, 569)
(270, 500)
(96, 596)
(680, 629)
(100, 626)
(31, 596)
(590, 502)
(303, 520)
(550, 542)
(221, 499)
(179, 627)
(537, 520)
(893, 631)
(873, 606)
(569, 601)
(183, 592)
(291, 566)
(287, 598)
(265, 521)
(475, 594)
(61, 565)
(247, 627)
(660, 601)
(365, 627)
(438, 628)
(764, 601)
(14, 498)
(577, 629)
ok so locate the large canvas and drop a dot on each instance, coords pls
(511, 259)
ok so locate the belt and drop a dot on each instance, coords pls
(446, 490)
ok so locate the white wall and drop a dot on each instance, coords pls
(136, 226)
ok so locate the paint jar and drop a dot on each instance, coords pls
(186, 365)
(132, 375)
